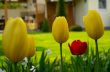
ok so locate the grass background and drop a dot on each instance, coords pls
(46, 41)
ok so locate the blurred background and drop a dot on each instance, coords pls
(39, 14)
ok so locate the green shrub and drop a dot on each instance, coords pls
(15, 5)
(76, 28)
(60, 10)
(45, 26)
(1, 5)
(11, 5)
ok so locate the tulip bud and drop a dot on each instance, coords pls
(60, 29)
(77, 47)
(93, 24)
(15, 39)
(31, 47)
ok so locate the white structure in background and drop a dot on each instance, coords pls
(81, 8)
(31, 6)
(102, 6)
(41, 8)
(57, 0)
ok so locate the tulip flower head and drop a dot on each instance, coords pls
(77, 47)
(60, 29)
(93, 24)
(15, 39)
(31, 47)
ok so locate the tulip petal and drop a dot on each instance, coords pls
(77, 47)
(31, 47)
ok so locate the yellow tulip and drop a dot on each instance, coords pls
(93, 24)
(60, 29)
(31, 47)
(9, 20)
(15, 39)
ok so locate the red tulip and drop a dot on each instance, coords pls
(78, 48)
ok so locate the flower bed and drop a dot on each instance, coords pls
(19, 48)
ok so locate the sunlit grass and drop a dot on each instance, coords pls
(46, 41)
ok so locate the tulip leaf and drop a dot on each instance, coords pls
(39, 48)
(1, 49)
(1, 52)
(42, 62)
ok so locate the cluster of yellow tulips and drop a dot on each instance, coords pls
(16, 42)
(92, 22)
(93, 26)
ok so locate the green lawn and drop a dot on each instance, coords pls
(46, 41)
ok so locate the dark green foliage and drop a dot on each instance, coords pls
(45, 26)
(1, 49)
(76, 28)
(81, 63)
(60, 9)
(42, 65)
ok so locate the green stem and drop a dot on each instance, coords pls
(77, 64)
(61, 69)
(97, 55)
